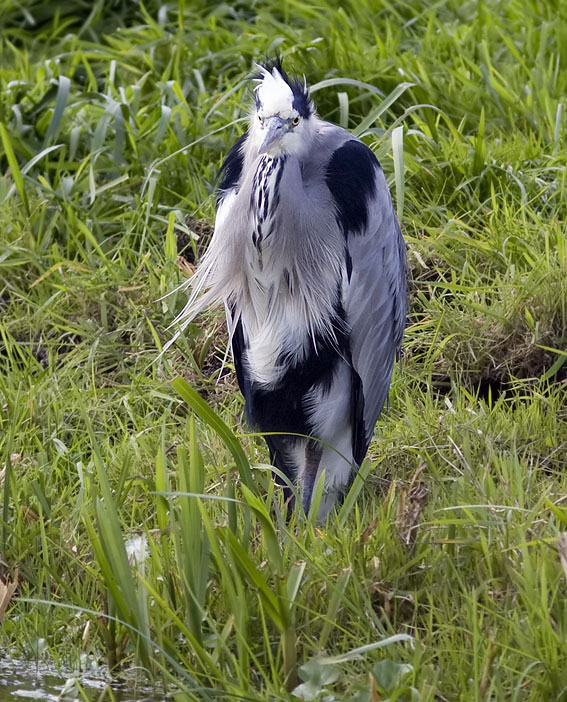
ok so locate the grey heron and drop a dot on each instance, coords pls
(308, 258)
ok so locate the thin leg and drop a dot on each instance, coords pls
(281, 449)
(313, 452)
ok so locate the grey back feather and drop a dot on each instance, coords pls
(375, 302)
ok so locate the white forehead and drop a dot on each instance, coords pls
(275, 95)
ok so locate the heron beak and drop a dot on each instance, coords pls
(274, 129)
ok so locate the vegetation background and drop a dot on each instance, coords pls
(141, 523)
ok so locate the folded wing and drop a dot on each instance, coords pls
(374, 285)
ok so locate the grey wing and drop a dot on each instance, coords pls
(375, 309)
(374, 289)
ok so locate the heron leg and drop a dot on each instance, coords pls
(313, 452)
(281, 449)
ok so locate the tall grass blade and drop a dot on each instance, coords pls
(110, 549)
(14, 167)
(363, 650)
(398, 154)
(63, 88)
(206, 414)
(191, 541)
(378, 111)
(355, 489)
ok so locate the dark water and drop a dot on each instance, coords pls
(24, 680)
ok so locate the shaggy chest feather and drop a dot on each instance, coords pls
(290, 295)
(274, 321)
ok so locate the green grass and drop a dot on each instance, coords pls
(444, 575)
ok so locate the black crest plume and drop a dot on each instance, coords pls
(301, 100)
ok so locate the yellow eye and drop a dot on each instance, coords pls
(295, 121)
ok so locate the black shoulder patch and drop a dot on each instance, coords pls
(229, 173)
(351, 179)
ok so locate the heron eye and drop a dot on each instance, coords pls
(260, 119)
(295, 122)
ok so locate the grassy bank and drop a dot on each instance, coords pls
(444, 575)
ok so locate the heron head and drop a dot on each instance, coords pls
(281, 122)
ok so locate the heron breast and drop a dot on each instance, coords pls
(265, 199)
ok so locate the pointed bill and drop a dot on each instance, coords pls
(274, 129)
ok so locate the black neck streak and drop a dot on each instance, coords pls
(265, 199)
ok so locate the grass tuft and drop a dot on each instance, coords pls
(140, 526)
